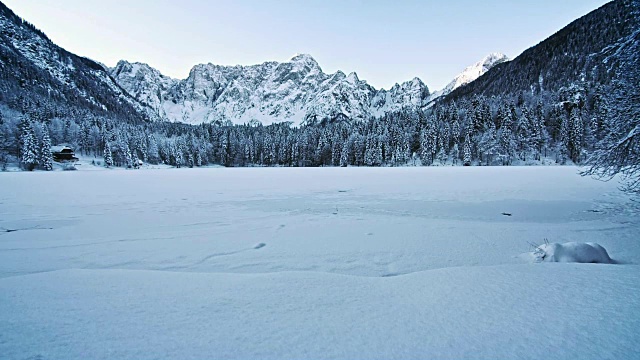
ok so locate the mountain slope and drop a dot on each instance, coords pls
(471, 73)
(297, 91)
(34, 72)
(573, 54)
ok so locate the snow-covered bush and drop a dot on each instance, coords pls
(572, 252)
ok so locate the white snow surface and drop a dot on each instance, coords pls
(326, 263)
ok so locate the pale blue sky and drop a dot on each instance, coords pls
(383, 41)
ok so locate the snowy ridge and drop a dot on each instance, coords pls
(471, 73)
(297, 91)
(144, 83)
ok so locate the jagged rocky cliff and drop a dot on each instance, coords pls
(297, 91)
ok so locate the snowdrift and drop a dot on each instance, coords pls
(574, 252)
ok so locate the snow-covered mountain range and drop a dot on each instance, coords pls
(297, 91)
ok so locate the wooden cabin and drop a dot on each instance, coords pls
(63, 153)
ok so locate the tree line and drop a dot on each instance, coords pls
(563, 127)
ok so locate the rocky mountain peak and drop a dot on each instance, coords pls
(296, 91)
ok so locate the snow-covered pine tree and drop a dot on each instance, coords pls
(66, 132)
(442, 156)
(506, 141)
(126, 153)
(198, 158)
(84, 137)
(425, 152)
(535, 128)
(488, 144)
(295, 152)
(190, 160)
(108, 157)
(523, 136)
(153, 153)
(46, 158)
(179, 155)
(344, 154)
(576, 129)
(455, 154)
(335, 153)
(28, 144)
(134, 160)
(466, 151)
(358, 149)
(455, 133)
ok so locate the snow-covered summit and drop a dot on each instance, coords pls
(471, 73)
(296, 90)
(304, 59)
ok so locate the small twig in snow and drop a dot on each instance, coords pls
(5, 230)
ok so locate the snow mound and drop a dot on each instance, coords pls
(575, 252)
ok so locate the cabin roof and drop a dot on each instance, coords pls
(61, 148)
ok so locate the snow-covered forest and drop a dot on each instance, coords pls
(484, 131)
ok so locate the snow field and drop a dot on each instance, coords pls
(556, 311)
(314, 263)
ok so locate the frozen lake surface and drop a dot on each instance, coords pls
(314, 263)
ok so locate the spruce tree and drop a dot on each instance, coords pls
(46, 159)
(455, 154)
(506, 136)
(66, 131)
(466, 150)
(575, 135)
(198, 159)
(425, 151)
(135, 160)
(488, 144)
(344, 154)
(523, 139)
(108, 157)
(84, 137)
(564, 142)
(28, 145)
(153, 151)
